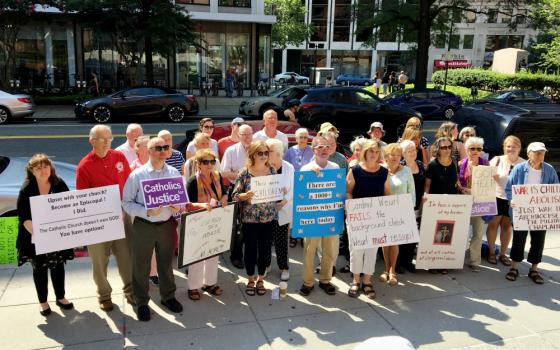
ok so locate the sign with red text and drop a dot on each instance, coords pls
(444, 231)
(163, 192)
(76, 218)
(381, 221)
(536, 207)
(483, 190)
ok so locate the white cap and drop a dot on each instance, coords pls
(536, 146)
(238, 120)
(377, 125)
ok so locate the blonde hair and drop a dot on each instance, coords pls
(513, 139)
(410, 133)
(201, 154)
(275, 145)
(413, 121)
(140, 140)
(199, 136)
(390, 148)
(445, 130)
(369, 145)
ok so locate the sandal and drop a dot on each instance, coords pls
(214, 290)
(368, 290)
(193, 294)
(492, 259)
(354, 290)
(250, 289)
(293, 242)
(512, 274)
(345, 268)
(384, 277)
(393, 280)
(261, 290)
(536, 277)
(505, 260)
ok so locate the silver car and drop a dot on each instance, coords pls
(15, 106)
(12, 174)
(258, 105)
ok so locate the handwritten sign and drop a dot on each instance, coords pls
(483, 190)
(8, 238)
(163, 192)
(205, 234)
(381, 221)
(267, 189)
(444, 231)
(537, 207)
(76, 218)
(318, 203)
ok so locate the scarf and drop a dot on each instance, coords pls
(204, 188)
(464, 171)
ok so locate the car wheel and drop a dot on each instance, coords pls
(101, 114)
(176, 113)
(4, 115)
(448, 113)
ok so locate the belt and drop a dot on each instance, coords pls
(154, 222)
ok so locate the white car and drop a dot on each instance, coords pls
(291, 77)
(15, 106)
(256, 106)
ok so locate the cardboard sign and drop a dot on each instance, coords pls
(381, 221)
(205, 234)
(444, 231)
(76, 218)
(318, 203)
(267, 189)
(483, 190)
(8, 238)
(163, 192)
(537, 207)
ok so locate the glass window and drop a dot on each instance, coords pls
(440, 41)
(468, 41)
(342, 96)
(515, 41)
(238, 55)
(454, 41)
(456, 16)
(196, 2)
(492, 16)
(187, 67)
(264, 58)
(138, 92)
(363, 98)
(319, 18)
(506, 19)
(158, 92)
(235, 3)
(341, 23)
(364, 13)
(521, 16)
(30, 58)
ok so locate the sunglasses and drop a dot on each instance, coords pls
(262, 153)
(161, 148)
(417, 126)
(208, 161)
(445, 147)
(478, 149)
(322, 147)
(208, 126)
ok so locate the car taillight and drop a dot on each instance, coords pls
(24, 100)
(191, 98)
(307, 106)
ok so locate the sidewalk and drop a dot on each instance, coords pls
(461, 310)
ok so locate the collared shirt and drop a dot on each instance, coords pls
(261, 135)
(133, 196)
(234, 158)
(176, 160)
(213, 146)
(129, 152)
(93, 171)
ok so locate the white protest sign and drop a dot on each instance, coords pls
(381, 221)
(267, 188)
(537, 207)
(483, 190)
(76, 218)
(205, 234)
(444, 231)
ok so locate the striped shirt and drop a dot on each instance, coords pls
(176, 160)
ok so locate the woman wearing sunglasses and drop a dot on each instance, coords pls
(206, 125)
(205, 186)
(258, 220)
(449, 129)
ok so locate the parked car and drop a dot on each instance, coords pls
(431, 103)
(138, 102)
(351, 110)
(291, 77)
(12, 174)
(14, 106)
(257, 106)
(516, 97)
(494, 121)
(353, 79)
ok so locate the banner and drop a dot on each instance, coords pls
(318, 203)
(537, 207)
(381, 221)
(483, 190)
(267, 189)
(205, 234)
(8, 238)
(444, 231)
(76, 218)
(163, 192)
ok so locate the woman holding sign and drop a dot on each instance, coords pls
(258, 220)
(41, 179)
(366, 179)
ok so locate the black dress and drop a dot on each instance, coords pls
(26, 249)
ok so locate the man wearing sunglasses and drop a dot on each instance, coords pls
(174, 157)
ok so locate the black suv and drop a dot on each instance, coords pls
(351, 110)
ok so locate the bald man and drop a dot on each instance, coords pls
(175, 159)
(269, 131)
(133, 131)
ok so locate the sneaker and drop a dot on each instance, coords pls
(143, 313)
(173, 305)
(106, 305)
(285, 275)
(154, 280)
(305, 290)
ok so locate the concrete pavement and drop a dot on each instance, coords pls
(460, 310)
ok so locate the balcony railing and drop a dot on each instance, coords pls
(235, 3)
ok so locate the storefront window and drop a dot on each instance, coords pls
(30, 58)
(214, 57)
(235, 3)
(187, 68)
(264, 58)
(468, 41)
(310, 59)
(351, 62)
(60, 57)
(237, 55)
(342, 16)
(319, 17)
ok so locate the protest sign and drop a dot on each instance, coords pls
(8, 238)
(483, 190)
(267, 189)
(444, 231)
(318, 203)
(76, 218)
(205, 234)
(381, 221)
(163, 192)
(537, 207)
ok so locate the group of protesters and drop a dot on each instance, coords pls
(217, 172)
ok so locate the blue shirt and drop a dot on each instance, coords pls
(298, 157)
(176, 160)
(519, 173)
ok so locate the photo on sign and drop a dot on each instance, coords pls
(443, 234)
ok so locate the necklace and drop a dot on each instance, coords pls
(300, 155)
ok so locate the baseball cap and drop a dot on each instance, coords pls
(536, 146)
(377, 125)
(238, 120)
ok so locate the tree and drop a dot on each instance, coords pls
(290, 27)
(546, 17)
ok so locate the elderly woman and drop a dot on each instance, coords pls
(141, 149)
(284, 207)
(258, 220)
(474, 146)
(415, 135)
(206, 126)
(449, 129)
(201, 141)
(356, 146)
(205, 186)
(366, 179)
(41, 179)
(533, 171)
(504, 164)
(402, 182)
(301, 153)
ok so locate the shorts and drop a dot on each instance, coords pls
(503, 206)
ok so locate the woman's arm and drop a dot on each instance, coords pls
(350, 183)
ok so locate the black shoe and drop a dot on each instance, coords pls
(68, 306)
(305, 290)
(45, 312)
(173, 305)
(154, 280)
(143, 313)
(238, 263)
(328, 288)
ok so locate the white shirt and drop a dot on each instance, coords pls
(534, 176)
(312, 165)
(213, 146)
(234, 158)
(285, 214)
(503, 170)
(128, 152)
(261, 135)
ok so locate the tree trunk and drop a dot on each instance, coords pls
(423, 45)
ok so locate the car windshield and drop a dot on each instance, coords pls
(281, 92)
(4, 161)
(395, 95)
(500, 95)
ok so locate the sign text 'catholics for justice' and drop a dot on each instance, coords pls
(537, 207)
(267, 189)
(163, 192)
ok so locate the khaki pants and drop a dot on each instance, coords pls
(329, 255)
(475, 245)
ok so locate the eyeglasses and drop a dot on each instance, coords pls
(237, 124)
(444, 148)
(208, 126)
(103, 139)
(160, 148)
(208, 161)
(478, 149)
(322, 147)
(262, 153)
(418, 126)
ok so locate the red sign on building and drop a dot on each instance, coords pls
(440, 64)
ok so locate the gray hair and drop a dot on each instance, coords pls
(466, 129)
(199, 136)
(132, 127)
(302, 131)
(474, 141)
(163, 133)
(140, 140)
(406, 143)
(358, 141)
(275, 145)
(96, 128)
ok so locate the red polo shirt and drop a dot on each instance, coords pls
(94, 171)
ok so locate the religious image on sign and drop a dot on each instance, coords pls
(163, 192)
(443, 234)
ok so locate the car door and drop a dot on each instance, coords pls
(158, 101)
(420, 101)
(368, 109)
(135, 101)
(342, 108)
